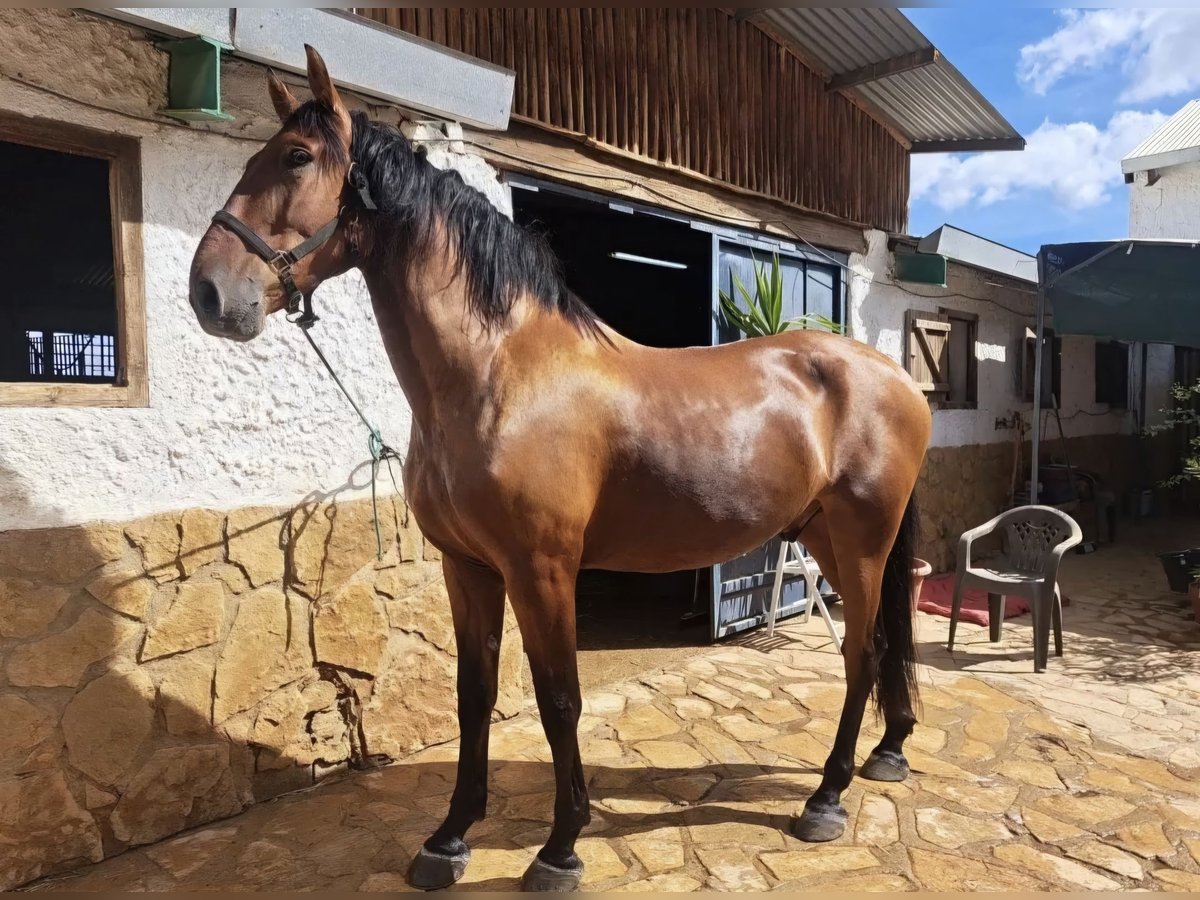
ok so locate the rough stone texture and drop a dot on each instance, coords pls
(408, 706)
(333, 543)
(177, 787)
(300, 728)
(124, 590)
(60, 660)
(59, 555)
(202, 541)
(193, 620)
(107, 723)
(351, 631)
(424, 613)
(255, 537)
(26, 728)
(1054, 868)
(27, 607)
(42, 827)
(185, 688)
(264, 651)
(950, 830)
(158, 540)
(213, 697)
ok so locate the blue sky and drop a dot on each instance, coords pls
(1084, 87)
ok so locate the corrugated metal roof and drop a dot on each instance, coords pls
(1175, 142)
(932, 104)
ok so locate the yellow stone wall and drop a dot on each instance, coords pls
(162, 673)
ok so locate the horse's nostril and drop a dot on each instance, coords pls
(207, 299)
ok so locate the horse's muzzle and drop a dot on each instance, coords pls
(224, 314)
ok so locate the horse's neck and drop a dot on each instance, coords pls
(438, 348)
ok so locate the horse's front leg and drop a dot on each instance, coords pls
(477, 604)
(543, 598)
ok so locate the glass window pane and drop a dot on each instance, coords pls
(822, 291)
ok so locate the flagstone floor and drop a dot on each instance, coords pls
(1084, 777)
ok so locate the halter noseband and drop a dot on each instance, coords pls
(281, 261)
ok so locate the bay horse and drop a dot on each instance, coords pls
(543, 442)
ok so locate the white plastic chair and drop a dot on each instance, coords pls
(795, 560)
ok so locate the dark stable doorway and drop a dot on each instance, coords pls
(649, 278)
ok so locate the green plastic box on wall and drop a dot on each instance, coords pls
(921, 268)
(194, 81)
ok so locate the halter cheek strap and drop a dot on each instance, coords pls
(282, 261)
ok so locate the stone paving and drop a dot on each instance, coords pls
(1084, 777)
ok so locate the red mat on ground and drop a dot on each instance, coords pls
(937, 596)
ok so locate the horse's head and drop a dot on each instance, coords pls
(281, 233)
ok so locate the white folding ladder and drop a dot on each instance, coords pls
(795, 560)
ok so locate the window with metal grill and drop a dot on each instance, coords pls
(71, 309)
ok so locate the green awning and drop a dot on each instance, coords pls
(1129, 290)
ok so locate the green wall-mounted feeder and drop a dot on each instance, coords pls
(921, 268)
(194, 81)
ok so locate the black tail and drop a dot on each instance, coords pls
(897, 671)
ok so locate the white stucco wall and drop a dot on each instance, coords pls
(229, 424)
(876, 313)
(1169, 208)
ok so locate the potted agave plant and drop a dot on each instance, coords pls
(761, 314)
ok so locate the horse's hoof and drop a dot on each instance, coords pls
(433, 871)
(885, 765)
(817, 825)
(541, 876)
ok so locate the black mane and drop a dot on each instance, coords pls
(499, 259)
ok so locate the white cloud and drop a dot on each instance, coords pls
(1156, 49)
(1071, 166)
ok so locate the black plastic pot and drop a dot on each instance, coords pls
(1179, 565)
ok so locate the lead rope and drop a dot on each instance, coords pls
(380, 451)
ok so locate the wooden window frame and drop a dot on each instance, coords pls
(123, 155)
(1052, 369)
(971, 321)
(936, 392)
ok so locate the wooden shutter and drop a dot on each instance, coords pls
(929, 352)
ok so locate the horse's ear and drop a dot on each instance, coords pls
(323, 90)
(281, 98)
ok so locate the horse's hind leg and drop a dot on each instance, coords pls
(543, 598)
(862, 536)
(894, 632)
(477, 604)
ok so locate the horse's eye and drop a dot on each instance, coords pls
(298, 157)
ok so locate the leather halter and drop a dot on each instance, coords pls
(282, 261)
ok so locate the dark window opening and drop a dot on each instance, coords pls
(1112, 374)
(1051, 368)
(58, 306)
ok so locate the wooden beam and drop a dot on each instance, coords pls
(885, 67)
(745, 14)
(533, 149)
(966, 146)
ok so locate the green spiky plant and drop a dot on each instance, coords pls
(1183, 417)
(763, 313)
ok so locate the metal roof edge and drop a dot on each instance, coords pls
(980, 253)
(1133, 164)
